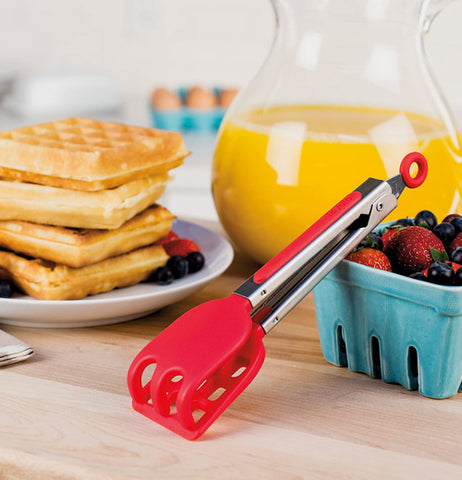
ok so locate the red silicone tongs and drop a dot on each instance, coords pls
(209, 355)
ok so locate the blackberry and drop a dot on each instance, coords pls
(426, 219)
(178, 265)
(195, 261)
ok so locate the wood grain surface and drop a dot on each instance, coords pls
(66, 413)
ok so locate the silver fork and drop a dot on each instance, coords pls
(13, 350)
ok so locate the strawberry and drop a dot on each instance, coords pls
(415, 249)
(371, 257)
(387, 237)
(171, 235)
(457, 242)
(181, 247)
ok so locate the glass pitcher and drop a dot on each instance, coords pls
(344, 94)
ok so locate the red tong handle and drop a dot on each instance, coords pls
(335, 213)
(329, 218)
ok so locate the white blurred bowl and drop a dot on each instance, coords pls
(62, 94)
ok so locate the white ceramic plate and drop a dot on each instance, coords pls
(125, 303)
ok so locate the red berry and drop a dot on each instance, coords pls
(371, 257)
(451, 216)
(387, 238)
(181, 247)
(171, 235)
(457, 242)
(412, 249)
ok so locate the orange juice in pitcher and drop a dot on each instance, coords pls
(276, 171)
(345, 94)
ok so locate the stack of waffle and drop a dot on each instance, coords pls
(78, 212)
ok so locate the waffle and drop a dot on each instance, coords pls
(78, 247)
(85, 154)
(103, 209)
(49, 281)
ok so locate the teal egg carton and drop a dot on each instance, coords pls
(188, 119)
(392, 327)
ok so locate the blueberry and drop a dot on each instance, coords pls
(456, 256)
(418, 276)
(6, 290)
(457, 223)
(445, 232)
(373, 240)
(162, 276)
(178, 265)
(405, 222)
(426, 219)
(440, 273)
(196, 261)
(458, 277)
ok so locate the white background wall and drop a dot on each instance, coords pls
(141, 42)
(144, 43)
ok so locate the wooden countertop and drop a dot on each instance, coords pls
(66, 413)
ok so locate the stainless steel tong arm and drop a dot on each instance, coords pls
(281, 292)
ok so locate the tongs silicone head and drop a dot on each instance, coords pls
(209, 355)
(202, 362)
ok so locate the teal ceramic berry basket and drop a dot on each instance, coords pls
(392, 327)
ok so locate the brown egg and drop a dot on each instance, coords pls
(164, 99)
(200, 98)
(227, 96)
